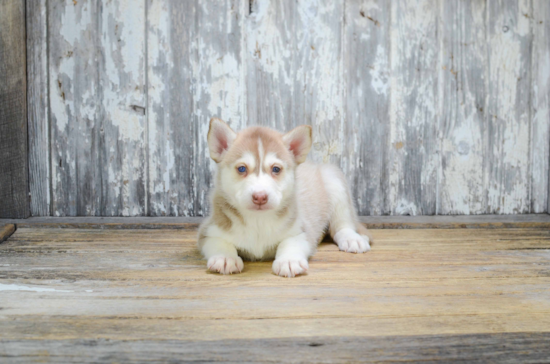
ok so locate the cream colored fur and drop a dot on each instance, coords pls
(304, 200)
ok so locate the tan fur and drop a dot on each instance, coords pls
(302, 201)
(247, 140)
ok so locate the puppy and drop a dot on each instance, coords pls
(268, 202)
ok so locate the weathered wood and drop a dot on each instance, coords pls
(6, 231)
(270, 64)
(122, 108)
(414, 153)
(14, 195)
(429, 107)
(97, 77)
(540, 107)
(195, 72)
(318, 87)
(75, 121)
(38, 108)
(535, 221)
(481, 348)
(411, 297)
(170, 30)
(462, 104)
(506, 156)
(367, 77)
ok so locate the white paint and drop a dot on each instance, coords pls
(15, 287)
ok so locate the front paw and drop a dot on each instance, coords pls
(225, 265)
(290, 267)
(349, 241)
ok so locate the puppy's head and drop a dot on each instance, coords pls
(256, 166)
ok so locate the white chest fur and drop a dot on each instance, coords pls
(260, 234)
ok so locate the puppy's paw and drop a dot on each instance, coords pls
(290, 267)
(349, 241)
(225, 265)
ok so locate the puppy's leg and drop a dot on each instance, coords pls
(222, 256)
(291, 257)
(346, 231)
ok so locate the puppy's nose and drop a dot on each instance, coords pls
(259, 198)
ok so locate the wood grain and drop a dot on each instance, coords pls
(431, 290)
(14, 195)
(367, 74)
(535, 221)
(507, 117)
(540, 107)
(97, 74)
(6, 231)
(429, 106)
(414, 152)
(462, 101)
(481, 348)
(38, 108)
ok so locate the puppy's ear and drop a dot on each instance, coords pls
(220, 138)
(298, 141)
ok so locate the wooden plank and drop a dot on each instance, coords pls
(271, 68)
(367, 77)
(501, 348)
(507, 117)
(318, 87)
(414, 152)
(38, 108)
(462, 104)
(122, 109)
(97, 77)
(195, 72)
(14, 195)
(6, 231)
(419, 294)
(75, 120)
(170, 54)
(536, 221)
(220, 89)
(540, 107)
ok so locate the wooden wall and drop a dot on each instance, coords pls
(14, 194)
(430, 107)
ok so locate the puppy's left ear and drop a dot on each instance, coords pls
(298, 141)
(220, 138)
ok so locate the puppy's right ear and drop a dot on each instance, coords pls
(220, 138)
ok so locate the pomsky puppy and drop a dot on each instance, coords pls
(268, 202)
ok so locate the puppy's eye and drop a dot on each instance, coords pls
(241, 169)
(276, 169)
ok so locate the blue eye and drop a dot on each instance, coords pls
(276, 169)
(241, 169)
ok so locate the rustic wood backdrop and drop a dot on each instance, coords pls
(430, 107)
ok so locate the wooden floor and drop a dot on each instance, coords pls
(117, 295)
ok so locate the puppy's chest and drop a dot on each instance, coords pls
(258, 240)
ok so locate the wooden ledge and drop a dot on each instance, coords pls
(541, 221)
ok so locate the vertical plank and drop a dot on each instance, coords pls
(271, 70)
(508, 123)
(221, 84)
(462, 105)
(38, 108)
(75, 121)
(97, 77)
(195, 72)
(318, 86)
(540, 107)
(170, 30)
(367, 77)
(14, 186)
(414, 159)
(122, 107)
